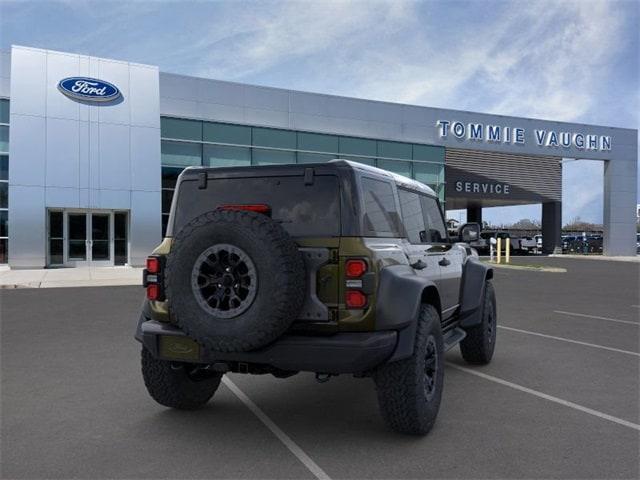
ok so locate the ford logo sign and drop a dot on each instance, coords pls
(89, 89)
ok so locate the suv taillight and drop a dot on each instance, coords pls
(354, 271)
(153, 265)
(355, 268)
(152, 278)
(153, 291)
(355, 299)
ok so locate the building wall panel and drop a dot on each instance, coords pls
(63, 153)
(27, 144)
(75, 154)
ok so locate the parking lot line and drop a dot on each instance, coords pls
(283, 437)
(573, 314)
(563, 339)
(551, 398)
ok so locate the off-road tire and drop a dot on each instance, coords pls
(281, 280)
(478, 346)
(400, 385)
(170, 384)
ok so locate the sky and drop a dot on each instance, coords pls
(558, 60)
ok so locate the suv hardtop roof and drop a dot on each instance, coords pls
(298, 168)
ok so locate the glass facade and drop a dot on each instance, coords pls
(4, 180)
(193, 142)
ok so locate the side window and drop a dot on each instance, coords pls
(412, 216)
(380, 214)
(436, 230)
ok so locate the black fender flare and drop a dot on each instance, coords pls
(472, 286)
(400, 294)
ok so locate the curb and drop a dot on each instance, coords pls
(601, 258)
(71, 284)
(530, 269)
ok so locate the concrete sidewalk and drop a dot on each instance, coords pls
(70, 277)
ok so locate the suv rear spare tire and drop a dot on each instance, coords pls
(235, 280)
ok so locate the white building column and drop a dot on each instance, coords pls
(620, 199)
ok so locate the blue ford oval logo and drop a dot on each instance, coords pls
(90, 89)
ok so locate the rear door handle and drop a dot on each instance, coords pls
(444, 262)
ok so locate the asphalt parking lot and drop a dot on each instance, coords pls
(560, 400)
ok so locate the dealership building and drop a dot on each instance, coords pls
(90, 150)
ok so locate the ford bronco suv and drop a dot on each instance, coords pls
(329, 268)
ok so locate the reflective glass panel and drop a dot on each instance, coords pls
(270, 137)
(304, 157)
(55, 252)
(178, 153)
(4, 167)
(170, 176)
(225, 133)
(4, 220)
(4, 111)
(364, 160)
(394, 150)
(179, 128)
(402, 168)
(272, 157)
(120, 238)
(100, 237)
(428, 153)
(4, 250)
(120, 226)
(358, 146)
(4, 194)
(167, 196)
(55, 224)
(428, 173)
(165, 221)
(77, 236)
(317, 142)
(4, 139)
(224, 156)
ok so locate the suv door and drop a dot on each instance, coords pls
(413, 219)
(448, 255)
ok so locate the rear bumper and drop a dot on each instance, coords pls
(338, 353)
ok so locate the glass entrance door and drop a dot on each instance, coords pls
(77, 241)
(100, 240)
(87, 238)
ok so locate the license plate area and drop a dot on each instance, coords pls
(178, 348)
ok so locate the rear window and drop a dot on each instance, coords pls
(380, 213)
(303, 210)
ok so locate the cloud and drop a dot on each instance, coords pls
(259, 38)
(571, 60)
(536, 59)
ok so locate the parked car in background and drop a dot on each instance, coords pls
(538, 239)
(528, 245)
(582, 244)
(568, 242)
